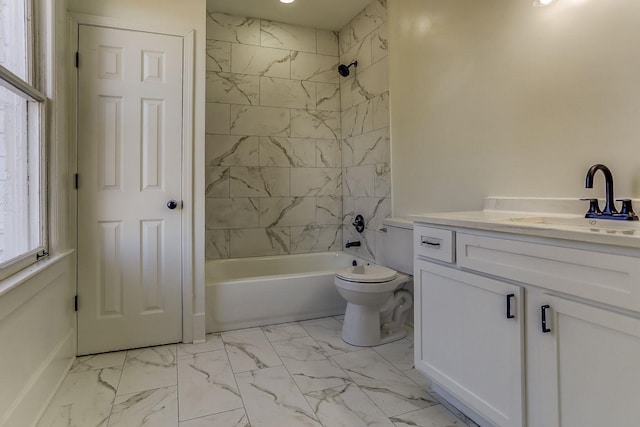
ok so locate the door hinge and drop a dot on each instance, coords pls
(75, 303)
(77, 59)
(75, 181)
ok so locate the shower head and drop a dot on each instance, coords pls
(344, 69)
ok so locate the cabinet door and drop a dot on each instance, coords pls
(597, 356)
(467, 344)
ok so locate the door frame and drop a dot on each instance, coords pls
(188, 146)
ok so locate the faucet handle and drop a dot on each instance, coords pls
(594, 209)
(627, 208)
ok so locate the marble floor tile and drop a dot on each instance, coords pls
(419, 378)
(284, 331)
(433, 416)
(339, 318)
(391, 390)
(293, 374)
(235, 418)
(398, 353)
(84, 399)
(98, 361)
(249, 349)
(213, 342)
(328, 333)
(148, 368)
(149, 408)
(206, 385)
(346, 406)
(272, 399)
(316, 374)
(300, 349)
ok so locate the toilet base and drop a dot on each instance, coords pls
(361, 327)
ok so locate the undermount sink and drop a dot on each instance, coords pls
(588, 224)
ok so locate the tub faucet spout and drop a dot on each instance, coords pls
(352, 244)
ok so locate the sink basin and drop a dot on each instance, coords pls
(586, 224)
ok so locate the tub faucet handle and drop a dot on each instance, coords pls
(358, 223)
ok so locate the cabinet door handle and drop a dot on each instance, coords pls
(510, 315)
(425, 242)
(543, 315)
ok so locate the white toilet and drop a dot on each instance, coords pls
(377, 306)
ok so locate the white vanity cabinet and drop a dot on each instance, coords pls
(582, 370)
(469, 332)
(594, 369)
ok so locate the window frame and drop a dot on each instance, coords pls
(29, 91)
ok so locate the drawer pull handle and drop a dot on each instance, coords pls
(543, 314)
(426, 242)
(510, 315)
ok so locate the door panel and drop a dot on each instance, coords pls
(129, 166)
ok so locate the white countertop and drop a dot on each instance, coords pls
(541, 224)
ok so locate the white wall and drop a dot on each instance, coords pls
(37, 321)
(500, 98)
(37, 331)
(183, 16)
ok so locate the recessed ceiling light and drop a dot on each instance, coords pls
(543, 2)
(287, 1)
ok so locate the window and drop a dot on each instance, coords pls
(22, 108)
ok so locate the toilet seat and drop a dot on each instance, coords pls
(371, 273)
(371, 287)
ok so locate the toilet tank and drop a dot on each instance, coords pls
(397, 247)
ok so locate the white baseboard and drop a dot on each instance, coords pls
(35, 396)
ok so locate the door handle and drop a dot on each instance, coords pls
(510, 315)
(543, 315)
(172, 204)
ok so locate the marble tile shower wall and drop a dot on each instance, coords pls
(366, 167)
(273, 155)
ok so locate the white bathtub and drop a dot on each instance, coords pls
(247, 292)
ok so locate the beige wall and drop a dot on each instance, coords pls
(189, 13)
(176, 17)
(501, 98)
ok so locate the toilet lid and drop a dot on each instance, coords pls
(367, 274)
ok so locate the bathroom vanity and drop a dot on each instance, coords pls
(530, 319)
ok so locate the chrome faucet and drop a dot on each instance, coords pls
(352, 244)
(609, 211)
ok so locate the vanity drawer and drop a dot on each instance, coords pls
(598, 276)
(435, 243)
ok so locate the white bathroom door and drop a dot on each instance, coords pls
(129, 170)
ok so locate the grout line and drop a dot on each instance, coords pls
(235, 380)
(363, 392)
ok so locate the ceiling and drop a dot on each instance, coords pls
(325, 14)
